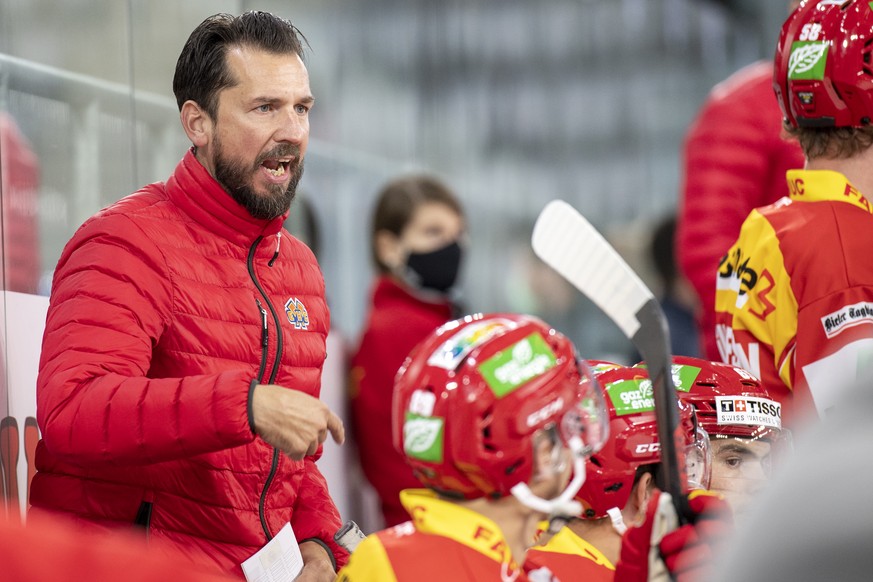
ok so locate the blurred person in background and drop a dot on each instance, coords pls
(494, 413)
(619, 479)
(736, 154)
(19, 187)
(794, 294)
(185, 336)
(417, 245)
(677, 298)
(20, 248)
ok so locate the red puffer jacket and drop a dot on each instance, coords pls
(397, 321)
(735, 160)
(164, 314)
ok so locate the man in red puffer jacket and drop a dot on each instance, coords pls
(181, 362)
(735, 159)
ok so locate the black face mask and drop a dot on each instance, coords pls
(437, 270)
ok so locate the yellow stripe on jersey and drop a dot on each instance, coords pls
(567, 542)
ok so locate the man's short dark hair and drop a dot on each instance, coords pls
(202, 72)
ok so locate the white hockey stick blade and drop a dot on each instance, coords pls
(566, 241)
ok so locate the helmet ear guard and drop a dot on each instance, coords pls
(823, 73)
(470, 399)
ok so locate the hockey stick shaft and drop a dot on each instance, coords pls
(568, 243)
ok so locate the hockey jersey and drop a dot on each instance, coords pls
(443, 542)
(569, 557)
(794, 294)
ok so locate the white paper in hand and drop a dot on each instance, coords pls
(278, 561)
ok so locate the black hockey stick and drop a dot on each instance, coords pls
(568, 243)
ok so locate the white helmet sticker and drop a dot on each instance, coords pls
(748, 410)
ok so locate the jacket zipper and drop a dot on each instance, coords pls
(265, 337)
(265, 340)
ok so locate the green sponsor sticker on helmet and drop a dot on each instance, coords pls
(631, 396)
(423, 437)
(684, 377)
(807, 60)
(510, 368)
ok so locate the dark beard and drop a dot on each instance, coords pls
(237, 180)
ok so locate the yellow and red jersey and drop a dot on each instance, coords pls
(569, 557)
(443, 542)
(794, 294)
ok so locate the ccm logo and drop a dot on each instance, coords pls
(545, 412)
(648, 448)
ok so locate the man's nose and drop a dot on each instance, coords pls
(293, 128)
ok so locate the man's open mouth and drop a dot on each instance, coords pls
(277, 167)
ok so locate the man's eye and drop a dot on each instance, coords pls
(302, 109)
(265, 108)
(733, 462)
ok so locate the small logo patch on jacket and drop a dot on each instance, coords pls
(296, 312)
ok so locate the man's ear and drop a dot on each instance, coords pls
(640, 495)
(196, 123)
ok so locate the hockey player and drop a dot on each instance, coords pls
(619, 479)
(494, 413)
(744, 427)
(794, 294)
(744, 424)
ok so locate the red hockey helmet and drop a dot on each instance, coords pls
(730, 402)
(470, 397)
(633, 441)
(823, 74)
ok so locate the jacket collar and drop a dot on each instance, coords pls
(201, 197)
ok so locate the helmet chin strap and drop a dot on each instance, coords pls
(617, 520)
(562, 507)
